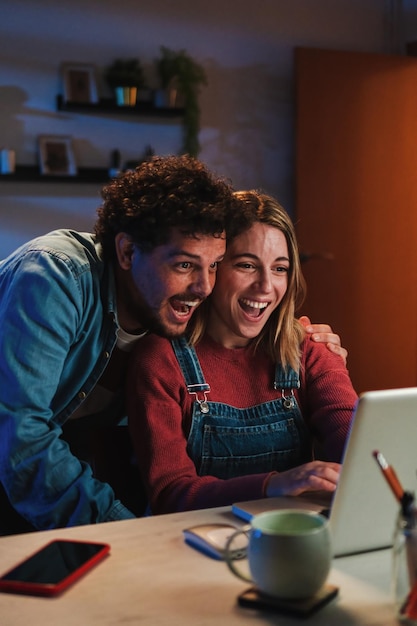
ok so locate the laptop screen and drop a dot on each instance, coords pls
(364, 511)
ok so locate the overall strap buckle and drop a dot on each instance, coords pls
(288, 400)
(287, 380)
(203, 388)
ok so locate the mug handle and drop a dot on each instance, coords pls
(230, 554)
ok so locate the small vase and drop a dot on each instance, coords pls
(126, 96)
(170, 97)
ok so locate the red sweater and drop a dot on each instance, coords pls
(159, 409)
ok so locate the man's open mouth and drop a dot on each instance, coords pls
(184, 307)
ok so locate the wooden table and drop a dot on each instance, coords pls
(153, 578)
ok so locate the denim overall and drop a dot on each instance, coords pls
(226, 441)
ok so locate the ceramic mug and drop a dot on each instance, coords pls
(289, 553)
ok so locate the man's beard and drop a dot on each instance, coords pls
(157, 326)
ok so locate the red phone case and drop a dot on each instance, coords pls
(70, 570)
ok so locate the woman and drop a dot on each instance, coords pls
(248, 407)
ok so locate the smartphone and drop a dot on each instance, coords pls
(211, 539)
(53, 568)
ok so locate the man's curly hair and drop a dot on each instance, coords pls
(165, 193)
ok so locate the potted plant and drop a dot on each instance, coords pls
(181, 78)
(125, 77)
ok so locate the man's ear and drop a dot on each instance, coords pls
(124, 250)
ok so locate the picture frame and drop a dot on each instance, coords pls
(79, 83)
(56, 155)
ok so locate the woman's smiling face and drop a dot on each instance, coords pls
(251, 281)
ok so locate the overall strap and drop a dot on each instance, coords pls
(286, 378)
(191, 369)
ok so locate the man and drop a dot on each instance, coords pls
(72, 305)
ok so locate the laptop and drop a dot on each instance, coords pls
(363, 509)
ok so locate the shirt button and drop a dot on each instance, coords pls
(82, 395)
(107, 355)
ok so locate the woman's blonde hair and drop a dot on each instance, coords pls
(282, 334)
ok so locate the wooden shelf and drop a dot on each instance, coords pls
(31, 173)
(94, 175)
(108, 105)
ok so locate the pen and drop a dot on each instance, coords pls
(390, 476)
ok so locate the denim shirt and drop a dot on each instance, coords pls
(58, 324)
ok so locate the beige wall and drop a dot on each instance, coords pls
(247, 107)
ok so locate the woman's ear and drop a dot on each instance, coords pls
(124, 250)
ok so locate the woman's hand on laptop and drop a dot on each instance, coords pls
(313, 476)
(323, 333)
